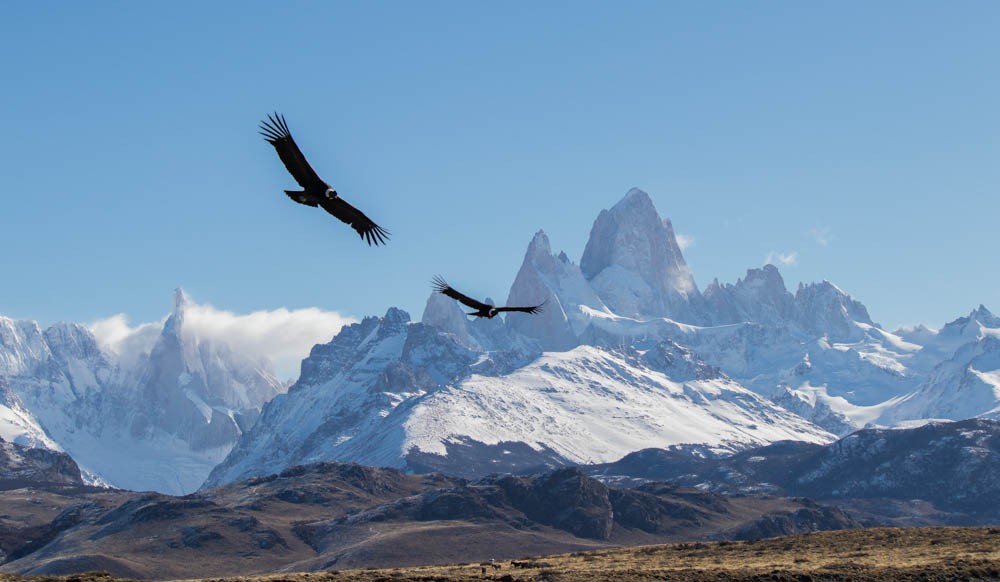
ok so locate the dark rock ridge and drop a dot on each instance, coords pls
(955, 466)
(807, 519)
(338, 515)
(23, 466)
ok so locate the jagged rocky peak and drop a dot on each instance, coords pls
(446, 315)
(175, 322)
(71, 340)
(558, 283)
(980, 315)
(539, 249)
(985, 316)
(22, 346)
(767, 277)
(765, 289)
(199, 389)
(633, 261)
(393, 322)
(825, 309)
(350, 346)
(760, 297)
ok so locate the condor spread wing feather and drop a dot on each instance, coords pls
(275, 131)
(533, 309)
(443, 287)
(371, 232)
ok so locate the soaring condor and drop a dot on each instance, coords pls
(315, 191)
(481, 309)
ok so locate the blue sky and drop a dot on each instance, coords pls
(858, 140)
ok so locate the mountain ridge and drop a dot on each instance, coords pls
(812, 362)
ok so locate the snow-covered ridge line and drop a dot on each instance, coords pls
(628, 352)
(159, 421)
(579, 382)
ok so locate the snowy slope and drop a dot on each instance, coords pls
(781, 345)
(391, 393)
(965, 386)
(18, 425)
(592, 405)
(627, 354)
(577, 382)
(161, 422)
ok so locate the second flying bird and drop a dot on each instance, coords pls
(481, 309)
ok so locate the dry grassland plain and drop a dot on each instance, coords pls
(938, 553)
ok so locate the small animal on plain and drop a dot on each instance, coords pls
(315, 191)
(481, 309)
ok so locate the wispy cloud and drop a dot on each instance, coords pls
(685, 241)
(822, 235)
(789, 259)
(282, 335)
(128, 342)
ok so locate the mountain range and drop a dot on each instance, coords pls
(338, 515)
(628, 351)
(160, 421)
(628, 354)
(324, 516)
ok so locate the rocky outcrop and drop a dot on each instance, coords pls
(23, 466)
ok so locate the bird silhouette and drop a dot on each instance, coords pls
(481, 309)
(315, 191)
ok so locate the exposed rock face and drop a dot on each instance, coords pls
(23, 466)
(824, 309)
(955, 466)
(634, 263)
(557, 282)
(197, 390)
(445, 314)
(565, 499)
(801, 521)
(759, 297)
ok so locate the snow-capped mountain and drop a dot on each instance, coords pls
(817, 351)
(46, 377)
(954, 465)
(161, 422)
(633, 262)
(627, 354)
(389, 392)
(628, 351)
(967, 384)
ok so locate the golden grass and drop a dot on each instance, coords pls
(939, 553)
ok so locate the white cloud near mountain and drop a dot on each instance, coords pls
(285, 336)
(685, 241)
(789, 259)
